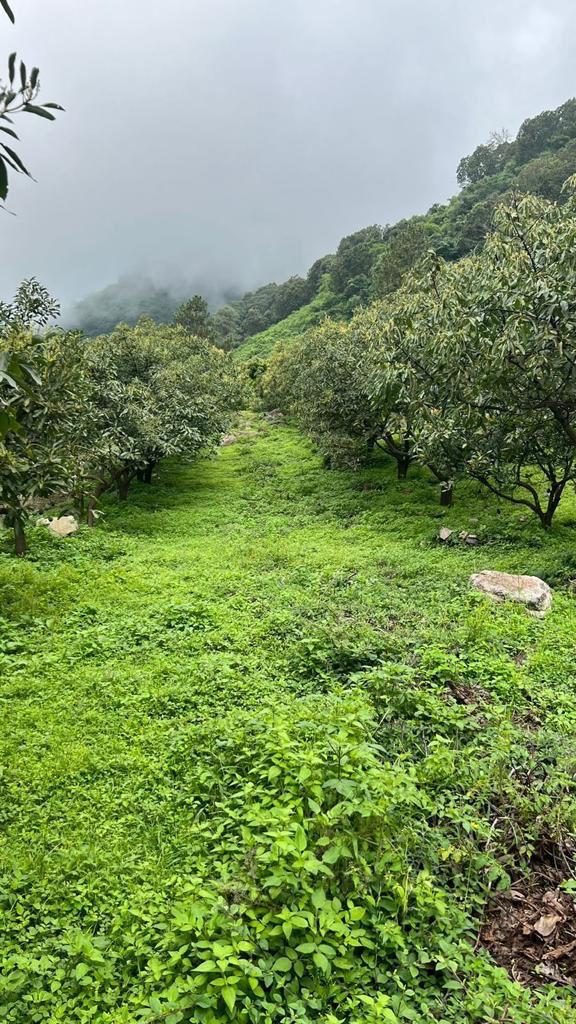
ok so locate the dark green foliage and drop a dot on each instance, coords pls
(407, 242)
(31, 308)
(257, 311)
(353, 264)
(194, 317)
(485, 161)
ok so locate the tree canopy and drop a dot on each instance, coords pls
(469, 366)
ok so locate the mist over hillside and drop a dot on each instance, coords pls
(367, 264)
(139, 294)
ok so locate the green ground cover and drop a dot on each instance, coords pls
(265, 752)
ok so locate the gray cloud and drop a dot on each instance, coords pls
(240, 139)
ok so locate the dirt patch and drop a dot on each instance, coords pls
(531, 929)
(468, 693)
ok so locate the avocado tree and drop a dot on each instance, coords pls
(40, 388)
(154, 391)
(328, 380)
(489, 351)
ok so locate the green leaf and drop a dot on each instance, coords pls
(322, 962)
(81, 971)
(300, 839)
(30, 108)
(3, 179)
(318, 898)
(31, 373)
(8, 10)
(11, 67)
(208, 965)
(14, 156)
(228, 993)
(357, 913)
(283, 964)
(331, 855)
(7, 422)
(23, 74)
(306, 947)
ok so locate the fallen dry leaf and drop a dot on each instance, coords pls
(546, 924)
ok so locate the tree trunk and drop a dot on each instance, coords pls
(140, 476)
(148, 472)
(123, 487)
(446, 493)
(97, 492)
(402, 464)
(19, 536)
(547, 515)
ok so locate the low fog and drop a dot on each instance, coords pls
(217, 146)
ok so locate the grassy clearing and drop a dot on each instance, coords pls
(265, 751)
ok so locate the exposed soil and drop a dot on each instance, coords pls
(531, 929)
(466, 693)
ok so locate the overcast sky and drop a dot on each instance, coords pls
(240, 139)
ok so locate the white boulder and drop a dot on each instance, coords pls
(530, 591)
(63, 526)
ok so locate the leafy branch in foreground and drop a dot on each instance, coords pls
(18, 95)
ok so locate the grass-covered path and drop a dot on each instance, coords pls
(263, 749)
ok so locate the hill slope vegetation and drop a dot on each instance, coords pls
(370, 264)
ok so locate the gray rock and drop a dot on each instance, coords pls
(63, 526)
(444, 534)
(228, 439)
(530, 591)
(468, 538)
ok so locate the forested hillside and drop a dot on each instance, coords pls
(367, 264)
(370, 263)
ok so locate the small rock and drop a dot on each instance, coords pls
(472, 539)
(43, 522)
(228, 439)
(274, 416)
(530, 591)
(63, 526)
(444, 534)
